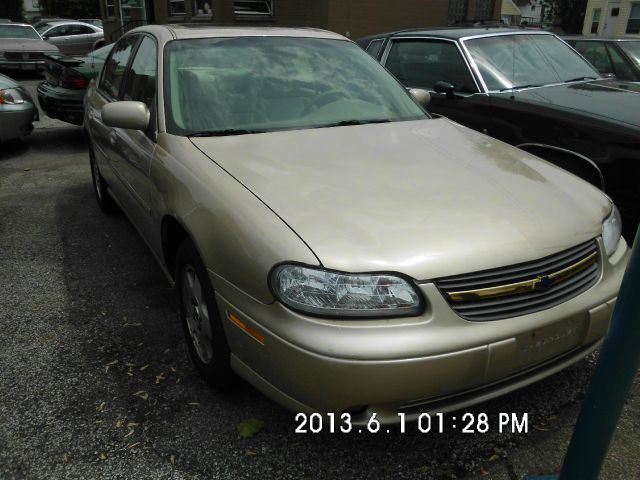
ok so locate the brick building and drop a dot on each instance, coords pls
(355, 18)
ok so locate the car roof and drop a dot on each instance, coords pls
(186, 30)
(17, 24)
(453, 33)
(54, 23)
(600, 39)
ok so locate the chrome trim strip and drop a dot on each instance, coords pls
(569, 152)
(529, 285)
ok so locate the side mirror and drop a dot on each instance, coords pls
(131, 115)
(444, 87)
(45, 37)
(421, 96)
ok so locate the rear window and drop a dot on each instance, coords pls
(18, 31)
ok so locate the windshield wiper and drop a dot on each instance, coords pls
(345, 123)
(224, 133)
(519, 87)
(577, 79)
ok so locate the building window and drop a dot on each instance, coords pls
(615, 12)
(176, 7)
(263, 8)
(595, 20)
(458, 11)
(484, 10)
(35, 3)
(110, 8)
(633, 26)
(202, 8)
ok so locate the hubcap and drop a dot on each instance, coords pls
(197, 314)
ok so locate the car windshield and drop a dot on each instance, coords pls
(633, 50)
(42, 27)
(18, 31)
(101, 53)
(519, 61)
(238, 85)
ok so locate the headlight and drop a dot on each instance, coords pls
(611, 231)
(335, 294)
(11, 96)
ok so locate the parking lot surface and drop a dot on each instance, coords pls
(96, 382)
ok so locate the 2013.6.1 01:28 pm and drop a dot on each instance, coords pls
(466, 422)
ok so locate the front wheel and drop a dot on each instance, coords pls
(203, 330)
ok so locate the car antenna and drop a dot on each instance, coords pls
(513, 68)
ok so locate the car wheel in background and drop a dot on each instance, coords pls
(105, 202)
(203, 330)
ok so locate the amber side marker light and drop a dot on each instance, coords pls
(251, 331)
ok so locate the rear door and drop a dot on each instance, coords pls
(80, 39)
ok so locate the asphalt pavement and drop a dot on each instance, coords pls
(95, 381)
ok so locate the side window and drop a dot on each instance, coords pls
(79, 30)
(59, 31)
(374, 47)
(141, 80)
(423, 63)
(596, 54)
(620, 67)
(114, 67)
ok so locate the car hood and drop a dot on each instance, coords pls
(26, 45)
(427, 198)
(615, 100)
(6, 82)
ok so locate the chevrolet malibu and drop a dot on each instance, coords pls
(330, 241)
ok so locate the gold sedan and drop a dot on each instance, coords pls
(330, 241)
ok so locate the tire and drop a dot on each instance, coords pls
(105, 202)
(203, 330)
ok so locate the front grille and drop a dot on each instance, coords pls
(24, 55)
(524, 288)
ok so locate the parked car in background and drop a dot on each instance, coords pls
(22, 48)
(61, 95)
(530, 89)
(38, 21)
(619, 57)
(17, 110)
(333, 243)
(5, 20)
(96, 22)
(72, 37)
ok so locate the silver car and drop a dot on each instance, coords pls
(72, 37)
(22, 48)
(329, 240)
(17, 110)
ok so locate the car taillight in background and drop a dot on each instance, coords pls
(70, 78)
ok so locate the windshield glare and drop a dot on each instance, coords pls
(512, 61)
(272, 83)
(18, 31)
(633, 50)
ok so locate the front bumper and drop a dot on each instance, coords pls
(23, 65)
(16, 121)
(435, 362)
(61, 103)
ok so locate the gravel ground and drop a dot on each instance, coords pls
(96, 382)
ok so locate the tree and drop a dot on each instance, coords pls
(568, 14)
(12, 9)
(71, 8)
